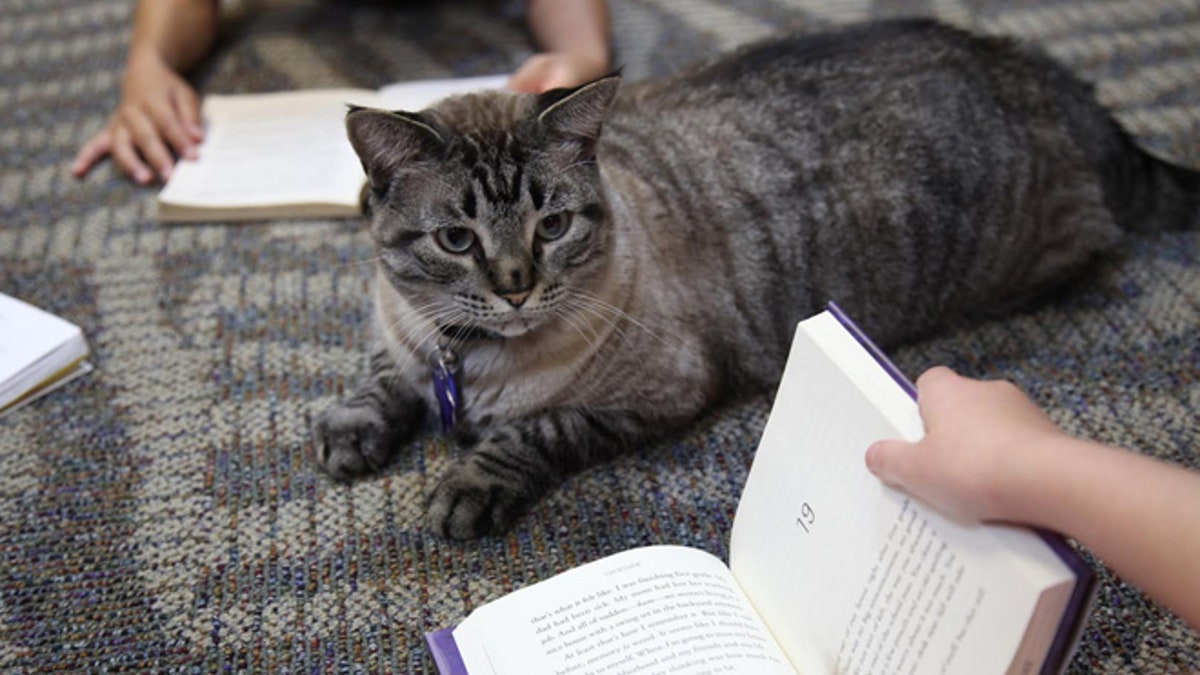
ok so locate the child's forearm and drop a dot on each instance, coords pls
(571, 25)
(1139, 515)
(180, 32)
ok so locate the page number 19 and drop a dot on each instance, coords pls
(806, 518)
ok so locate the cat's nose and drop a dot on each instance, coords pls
(516, 299)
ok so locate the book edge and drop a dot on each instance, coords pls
(62, 378)
(1070, 627)
(53, 367)
(178, 212)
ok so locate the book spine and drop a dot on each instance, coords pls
(872, 349)
(445, 653)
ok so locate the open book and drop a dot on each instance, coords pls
(830, 571)
(285, 154)
(39, 352)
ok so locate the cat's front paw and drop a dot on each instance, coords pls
(469, 502)
(352, 440)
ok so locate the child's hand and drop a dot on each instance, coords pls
(981, 440)
(551, 70)
(157, 119)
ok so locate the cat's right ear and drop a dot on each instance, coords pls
(574, 117)
(391, 141)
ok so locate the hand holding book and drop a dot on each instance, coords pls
(991, 455)
(974, 431)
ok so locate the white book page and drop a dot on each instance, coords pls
(851, 576)
(419, 94)
(276, 148)
(34, 344)
(654, 610)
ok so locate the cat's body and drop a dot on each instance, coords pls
(910, 172)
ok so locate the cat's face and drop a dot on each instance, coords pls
(488, 209)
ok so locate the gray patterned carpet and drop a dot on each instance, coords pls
(161, 515)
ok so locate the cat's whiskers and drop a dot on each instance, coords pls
(356, 263)
(582, 162)
(584, 389)
(572, 321)
(425, 331)
(581, 389)
(596, 303)
(580, 306)
(415, 349)
(462, 320)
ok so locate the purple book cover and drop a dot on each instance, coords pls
(1075, 616)
(445, 652)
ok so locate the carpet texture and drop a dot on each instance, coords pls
(162, 514)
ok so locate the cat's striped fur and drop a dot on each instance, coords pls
(602, 290)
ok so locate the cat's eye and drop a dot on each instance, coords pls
(554, 226)
(455, 239)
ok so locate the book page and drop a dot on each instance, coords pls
(35, 348)
(655, 610)
(286, 153)
(851, 576)
(419, 94)
(269, 149)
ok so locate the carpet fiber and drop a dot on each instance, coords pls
(162, 513)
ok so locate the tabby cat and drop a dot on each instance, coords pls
(561, 295)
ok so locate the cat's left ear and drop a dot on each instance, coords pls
(388, 141)
(575, 116)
